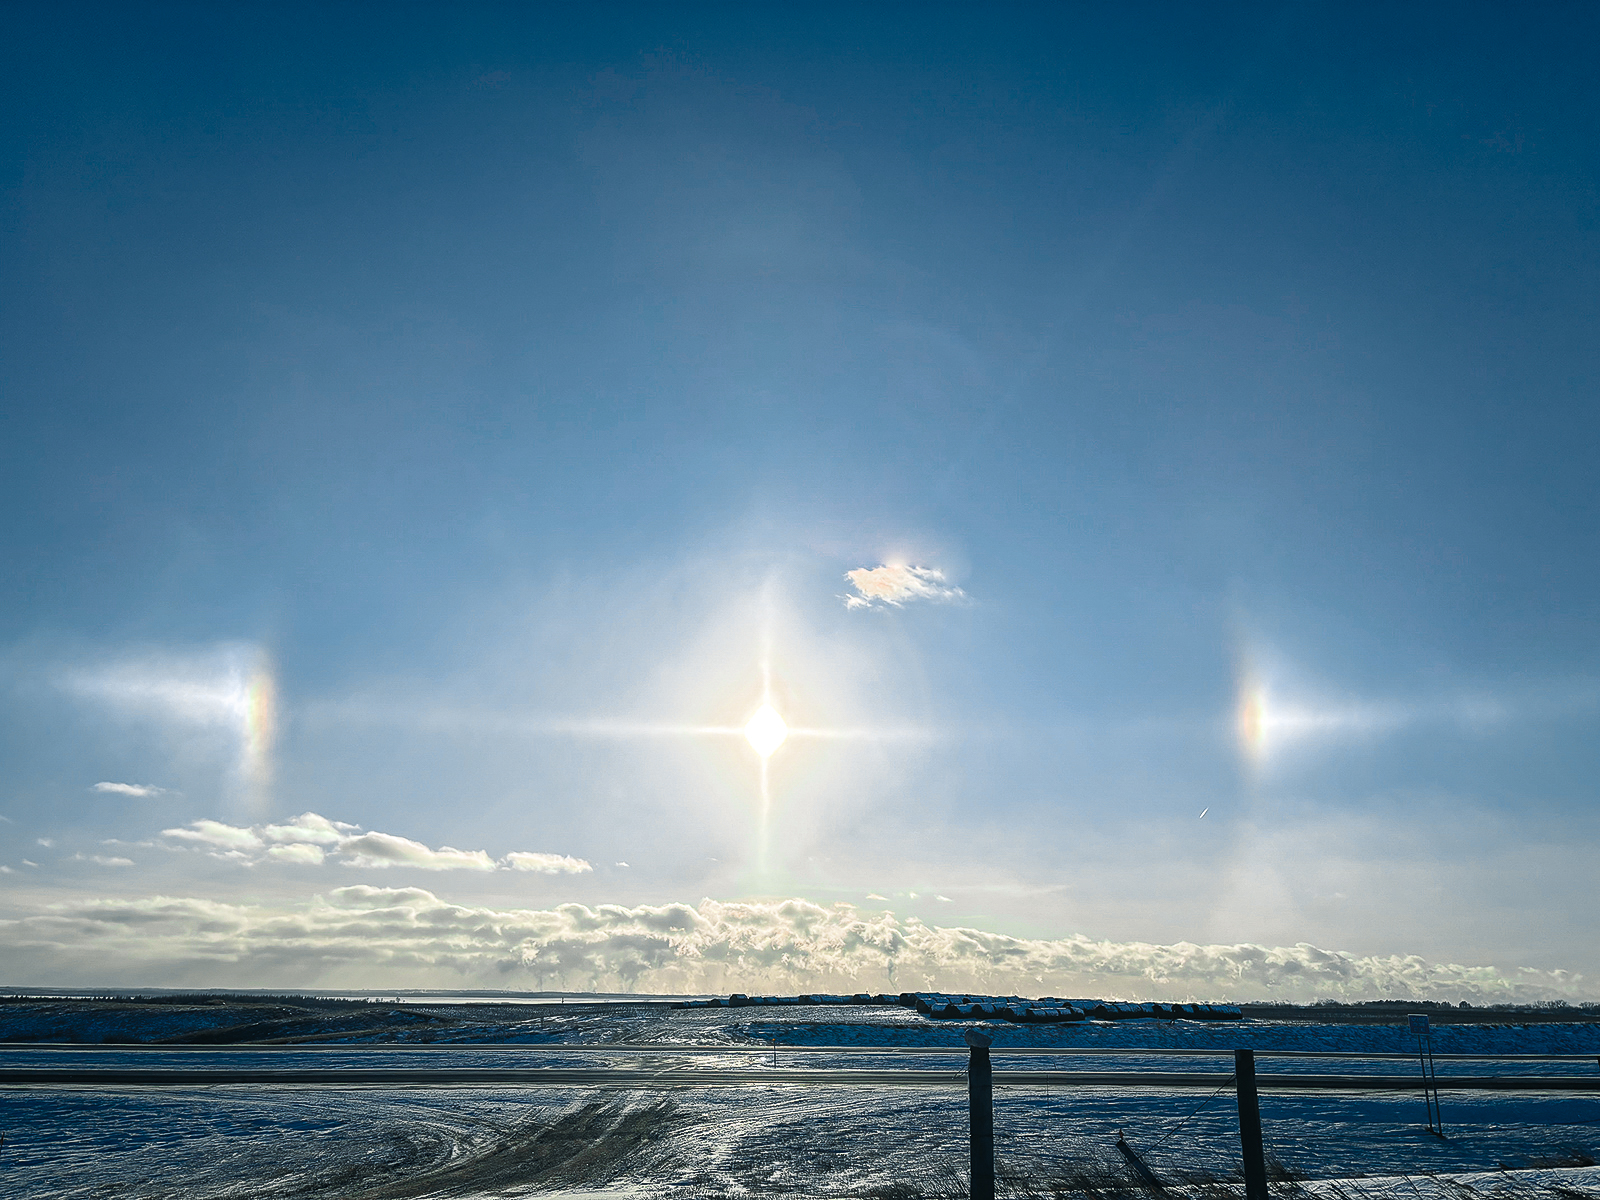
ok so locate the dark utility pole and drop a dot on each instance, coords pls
(1255, 1161)
(980, 1101)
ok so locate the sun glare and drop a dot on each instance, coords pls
(766, 731)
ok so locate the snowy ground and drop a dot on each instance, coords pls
(887, 1143)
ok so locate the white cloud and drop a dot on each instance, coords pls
(215, 833)
(104, 861)
(45, 842)
(312, 839)
(130, 789)
(875, 896)
(308, 827)
(297, 852)
(388, 850)
(897, 585)
(365, 936)
(548, 864)
(365, 896)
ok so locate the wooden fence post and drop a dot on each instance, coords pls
(1255, 1160)
(980, 1103)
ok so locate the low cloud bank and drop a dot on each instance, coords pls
(313, 839)
(364, 936)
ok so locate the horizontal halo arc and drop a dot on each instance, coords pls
(860, 735)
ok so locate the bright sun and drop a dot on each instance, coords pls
(766, 731)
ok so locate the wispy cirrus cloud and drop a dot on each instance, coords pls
(892, 585)
(130, 789)
(312, 839)
(364, 936)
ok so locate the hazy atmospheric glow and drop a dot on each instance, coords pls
(485, 426)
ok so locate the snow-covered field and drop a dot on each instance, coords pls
(888, 1143)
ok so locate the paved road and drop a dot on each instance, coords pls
(759, 1077)
(668, 1048)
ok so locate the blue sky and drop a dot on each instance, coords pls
(434, 424)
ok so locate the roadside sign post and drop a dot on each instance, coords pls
(1430, 1081)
